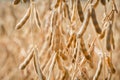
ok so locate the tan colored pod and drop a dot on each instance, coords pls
(98, 71)
(37, 65)
(52, 66)
(84, 25)
(27, 60)
(95, 22)
(24, 19)
(84, 50)
(110, 65)
(80, 12)
(112, 40)
(108, 38)
(37, 20)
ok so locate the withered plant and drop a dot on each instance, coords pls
(65, 53)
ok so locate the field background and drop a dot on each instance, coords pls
(15, 44)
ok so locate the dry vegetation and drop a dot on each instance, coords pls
(60, 40)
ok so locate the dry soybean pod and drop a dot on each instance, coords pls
(52, 65)
(112, 40)
(98, 71)
(24, 19)
(66, 11)
(27, 60)
(60, 65)
(73, 12)
(108, 45)
(37, 65)
(37, 20)
(84, 25)
(80, 12)
(95, 22)
(16, 2)
(84, 50)
(110, 65)
(45, 68)
(54, 18)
